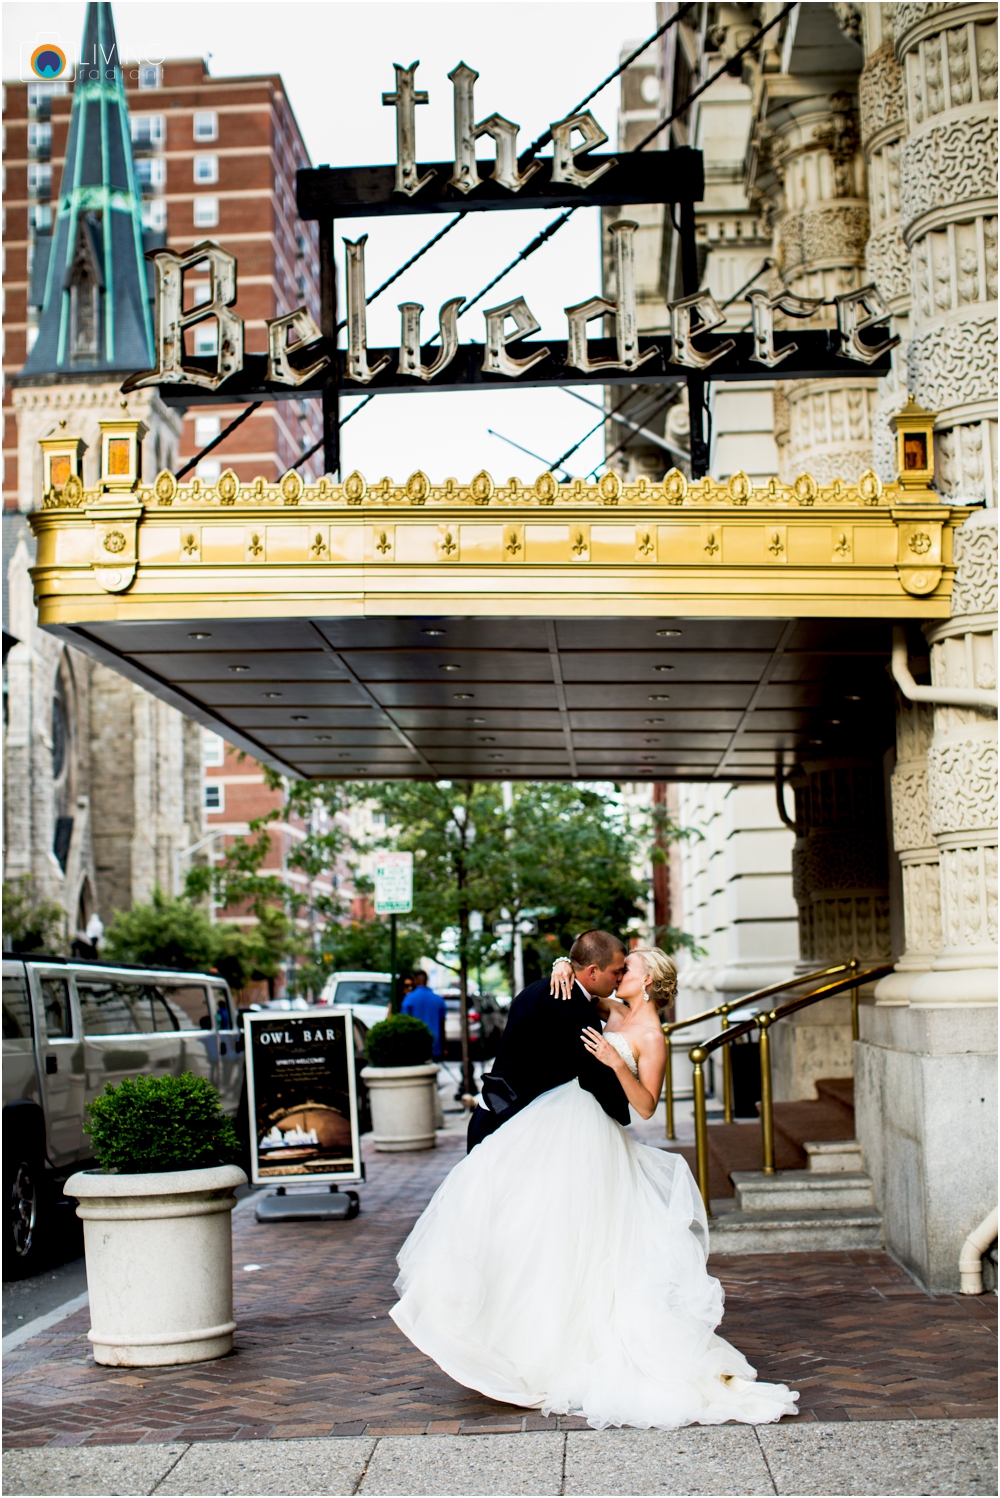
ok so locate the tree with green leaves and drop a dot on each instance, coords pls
(175, 932)
(31, 924)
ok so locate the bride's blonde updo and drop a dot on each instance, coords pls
(660, 967)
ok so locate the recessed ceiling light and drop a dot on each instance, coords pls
(852, 697)
(475, 720)
(464, 696)
(239, 668)
(272, 694)
(323, 738)
(833, 722)
(668, 634)
(432, 631)
(658, 697)
(815, 741)
(663, 668)
(449, 668)
(487, 741)
(200, 634)
(300, 717)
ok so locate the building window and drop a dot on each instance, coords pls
(150, 75)
(40, 96)
(213, 748)
(147, 131)
(150, 172)
(84, 293)
(300, 286)
(201, 291)
(154, 214)
(40, 139)
(206, 213)
(215, 796)
(40, 217)
(40, 179)
(206, 168)
(206, 337)
(206, 125)
(206, 429)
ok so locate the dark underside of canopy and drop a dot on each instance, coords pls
(524, 699)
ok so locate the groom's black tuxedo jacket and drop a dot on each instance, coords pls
(541, 1049)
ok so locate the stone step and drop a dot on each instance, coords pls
(829, 1155)
(802, 1190)
(735, 1232)
(838, 1090)
(812, 1119)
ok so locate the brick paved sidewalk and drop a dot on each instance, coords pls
(316, 1354)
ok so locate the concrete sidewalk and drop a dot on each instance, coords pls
(860, 1459)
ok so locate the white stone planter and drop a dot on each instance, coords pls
(403, 1103)
(159, 1263)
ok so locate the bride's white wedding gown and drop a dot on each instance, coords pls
(561, 1266)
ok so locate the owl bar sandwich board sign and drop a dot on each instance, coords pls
(302, 1096)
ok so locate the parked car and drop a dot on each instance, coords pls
(486, 1022)
(368, 994)
(69, 1027)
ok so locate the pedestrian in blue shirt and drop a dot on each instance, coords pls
(424, 1004)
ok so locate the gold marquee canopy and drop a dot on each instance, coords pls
(672, 629)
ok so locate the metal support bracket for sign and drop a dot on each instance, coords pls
(815, 356)
(676, 176)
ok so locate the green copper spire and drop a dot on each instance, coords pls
(95, 314)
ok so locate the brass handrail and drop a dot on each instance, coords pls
(763, 1021)
(724, 1010)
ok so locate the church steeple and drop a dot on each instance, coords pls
(95, 314)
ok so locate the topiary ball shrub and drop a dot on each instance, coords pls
(147, 1125)
(400, 1040)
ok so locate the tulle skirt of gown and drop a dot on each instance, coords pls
(561, 1266)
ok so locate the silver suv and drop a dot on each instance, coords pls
(70, 1027)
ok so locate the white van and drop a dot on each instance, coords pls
(368, 994)
(69, 1027)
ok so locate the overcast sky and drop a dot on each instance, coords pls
(535, 62)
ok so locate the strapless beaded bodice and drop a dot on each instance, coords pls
(624, 1050)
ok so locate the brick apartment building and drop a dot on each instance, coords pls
(104, 785)
(215, 158)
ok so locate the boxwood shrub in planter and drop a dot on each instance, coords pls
(402, 1084)
(156, 1221)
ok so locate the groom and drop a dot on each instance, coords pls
(541, 1046)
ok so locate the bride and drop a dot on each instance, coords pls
(561, 1266)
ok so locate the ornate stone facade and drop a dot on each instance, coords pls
(948, 211)
(962, 780)
(807, 169)
(913, 841)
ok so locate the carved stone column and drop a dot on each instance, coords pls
(821, 230)
(962, 779)
(882, 109)
(840, 879)
(916, 849)
(948, 207)
(925, 1070)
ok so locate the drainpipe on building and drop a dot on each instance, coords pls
(944, 696)
(970, 1260)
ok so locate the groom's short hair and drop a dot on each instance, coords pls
(596, 949)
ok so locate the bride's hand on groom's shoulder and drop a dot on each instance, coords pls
(561, 982)
(602, 1050)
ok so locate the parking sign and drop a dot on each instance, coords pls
(394, 883)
